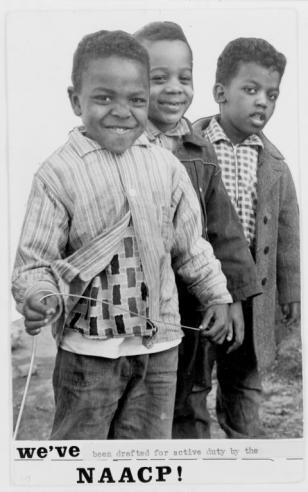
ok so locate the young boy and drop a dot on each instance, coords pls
(260, 185)
(108, 215)
(171, 93)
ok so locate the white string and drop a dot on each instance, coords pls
(26, 389)
(120, 309)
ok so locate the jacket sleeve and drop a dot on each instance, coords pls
(193, 257)
(288, 245)
(226, 235)
(43, 239)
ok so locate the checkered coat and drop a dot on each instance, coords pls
(277, 251)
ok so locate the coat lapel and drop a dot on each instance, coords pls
(269, 170)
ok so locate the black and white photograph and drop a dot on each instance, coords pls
(154, 227)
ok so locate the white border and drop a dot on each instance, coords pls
(280, 466)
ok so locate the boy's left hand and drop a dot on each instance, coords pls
(215, 323)
(291, 313)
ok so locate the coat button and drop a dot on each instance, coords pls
(263, 281)
(265, 219)
(266, 250)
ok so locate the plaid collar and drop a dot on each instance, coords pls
(182, 128)
(215, 133)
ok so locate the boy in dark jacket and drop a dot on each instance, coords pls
(171, 94)
(260, 185)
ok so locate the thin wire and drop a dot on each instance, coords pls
(26, 389)
(120, 309)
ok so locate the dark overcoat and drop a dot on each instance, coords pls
(221, 225)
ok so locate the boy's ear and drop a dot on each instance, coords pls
(74, 98)
(219, 93)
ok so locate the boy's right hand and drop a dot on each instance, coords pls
(39, 312)
(236, 327)
(215, 323)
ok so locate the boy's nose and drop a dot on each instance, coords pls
(261, 99)
(120, 110)
(174, 87)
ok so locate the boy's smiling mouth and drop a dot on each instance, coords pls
(172, 105)
(120, 129)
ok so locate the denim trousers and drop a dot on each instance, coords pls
(125, 398)
(238, 388)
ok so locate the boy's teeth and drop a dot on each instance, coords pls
(258, 116)
(120, 130)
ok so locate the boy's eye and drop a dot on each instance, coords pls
(159, 79)
(102, 99)
(250, 90)
(186, 79)
(139, 101)
(273, 96)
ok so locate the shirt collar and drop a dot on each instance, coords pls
(182, 128)
(84, 145)
(216, 133)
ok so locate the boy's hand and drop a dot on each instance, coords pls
(291, 313)
(39, 313)
(214, 325)
(236, 326)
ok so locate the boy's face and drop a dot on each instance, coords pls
(248, 101)
(171, 87)
(113, 101)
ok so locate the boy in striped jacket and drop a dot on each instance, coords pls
(111, 218)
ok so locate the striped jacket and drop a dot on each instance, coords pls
(81, 201)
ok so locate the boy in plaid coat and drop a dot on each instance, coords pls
(260, 185)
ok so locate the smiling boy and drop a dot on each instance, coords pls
(108, 215)
(167, 107)
(171, 93)
(260, 185)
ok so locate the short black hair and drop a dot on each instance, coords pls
(162, 31)
(245, 50)
(103, 44)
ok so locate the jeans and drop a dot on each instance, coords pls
(125, 398)
(238, 389)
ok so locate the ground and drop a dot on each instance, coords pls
(281, 411)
